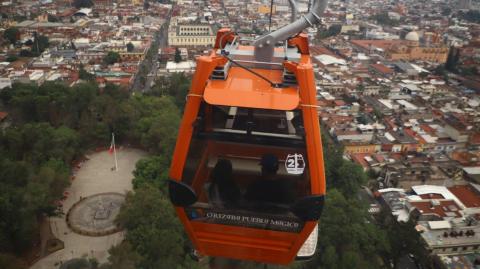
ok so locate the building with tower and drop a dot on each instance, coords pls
(409, 49)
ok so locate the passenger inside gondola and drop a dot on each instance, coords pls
(239, 160)
(223, 191)
(269, 187)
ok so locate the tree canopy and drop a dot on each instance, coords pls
(12, 34)
(52, 125)
(11, 58)
(130, 47)
(40, 43)
(176, 86)
(82, 3)
(384, 19)
(154, 231)
(452, 59)
(178, 57)
(111, 57)
(83, 74)
(155, 238)
(470, 16)
(333, 30)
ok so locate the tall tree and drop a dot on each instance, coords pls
(40, 43)
(83, 74)
(12, 34)
(151, 171)
(130, 47)
(122, 256)
(154, 231)
(178, 57)
(111, 57)
(452, 59)
(346, 238)
(52, 18)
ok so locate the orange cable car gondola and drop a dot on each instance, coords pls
(247, 175)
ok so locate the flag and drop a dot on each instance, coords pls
(112, 146)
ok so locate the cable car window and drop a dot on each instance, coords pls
(248, 167)
(258, 121)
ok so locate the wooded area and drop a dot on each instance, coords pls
(51, 126)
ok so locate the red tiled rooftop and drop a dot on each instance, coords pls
(168, 50)
(465, 158)
(410, 132)
(382, 68)
(346, 132)
(475, 139)
(446, 206)
(437, 112)
(396, 156)
(428, 129)
(335, 120)
(321, 103)
(466, 194)
(390, 123)
(414, 134)
(379, 158)
(359, 158)
(318, 50)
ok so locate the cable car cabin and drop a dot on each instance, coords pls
(247, 176)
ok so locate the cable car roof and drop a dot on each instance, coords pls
(244, 89)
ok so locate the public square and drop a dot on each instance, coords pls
(94, 176)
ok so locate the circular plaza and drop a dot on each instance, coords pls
(95, 215)
(93, 200)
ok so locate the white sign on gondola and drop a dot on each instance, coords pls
(295, 164)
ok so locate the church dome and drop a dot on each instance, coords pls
(412, 36)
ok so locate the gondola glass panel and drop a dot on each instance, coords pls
(247, 167)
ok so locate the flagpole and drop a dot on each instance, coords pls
(114, 152)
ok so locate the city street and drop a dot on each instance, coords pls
(151, 60)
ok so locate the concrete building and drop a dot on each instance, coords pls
(446, 217)
(5, 83)
(408, 49)
(181, 67)
(191, 35)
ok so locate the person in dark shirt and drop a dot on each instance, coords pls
(269, 188)
(223, 190)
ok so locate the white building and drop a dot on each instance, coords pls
(5, 83)
(191, 35)
(181, 67)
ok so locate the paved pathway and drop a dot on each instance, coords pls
(95, 176)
